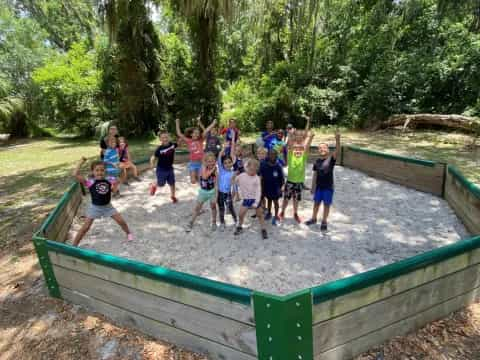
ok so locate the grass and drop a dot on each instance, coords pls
(34, 175)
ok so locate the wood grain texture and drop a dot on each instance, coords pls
(347, 327)
(465, 204)
(354, 300)
(403, 326)
(213, 350)
(185, 296)
(423, 178)
(58, 230)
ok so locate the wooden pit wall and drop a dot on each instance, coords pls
(64, 214)
(348, 325)
(197, 321)
(464, 197)
(427, 176)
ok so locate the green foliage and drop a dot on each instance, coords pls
(69, 84)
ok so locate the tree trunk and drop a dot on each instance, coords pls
(457, 122)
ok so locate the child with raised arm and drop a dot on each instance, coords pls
(232, 135)
(112, 161)
(212, 140)
(195, 147)
(100, 188)
(298, 149)
(226, 176)
(322, 182)
(164, 155)
(207, 191)
(250, 191)
(126, 162)
(271, 174)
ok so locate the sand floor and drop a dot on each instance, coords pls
(372, 223)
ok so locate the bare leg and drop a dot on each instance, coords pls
(83, 230)
(295, 205)
(193, 177)
(326, 211)
(213, 206)
(134, 169)
(284, 206)
(269, 202)
(196, 212)
(241, 215)
(120, 221)
(172, 190)
(316, 207)
(276, 205)
(260, 218)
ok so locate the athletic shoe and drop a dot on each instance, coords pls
(174, 199)
(222, 227)
(130, 237)
(268, 216)
(214, 227)
(323, 226)
(153, 189)
(253, 216)
(264, 234)
(274, 220)
(310, 222)
(188, 227)
(126, 183)
(297, 218)
(238, 231)
(281, 216)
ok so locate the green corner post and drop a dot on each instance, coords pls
(284, 326)
(46, 265)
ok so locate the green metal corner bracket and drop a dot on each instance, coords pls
(44, 260)
(284, 326)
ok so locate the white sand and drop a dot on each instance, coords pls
(372, 223)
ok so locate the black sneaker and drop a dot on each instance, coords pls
(253, 216)
(310, 222)
(264, 234)
(238, 231)
(323, 227)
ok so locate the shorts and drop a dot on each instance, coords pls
(165, 176)
(272, 194)
(194, 166)
(206, 195)
(323, 195)
(248, 203)
(293, 190)
(99, 211)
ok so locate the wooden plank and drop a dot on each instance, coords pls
(363, 343)
(192, 342)
(223, 330)
(185, 296)
(424, 178)
(59, 228)
(346, 303)
(342, 329)
(464, 203)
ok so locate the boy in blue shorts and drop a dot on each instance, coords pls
(322, 182)
(165, 155)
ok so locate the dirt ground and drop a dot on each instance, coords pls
(35, 326)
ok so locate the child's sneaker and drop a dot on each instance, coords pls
(253, 216)
(297, 218)
(323, 226)
(189, 227)
(214, 227)
(222, 227)
(238, 231)
(274, 221)
(130, 237)
(153, 189)
(310, 222)
(268, 216)
(264, 234)
(126, 183)
(281, 216)
(174, 199)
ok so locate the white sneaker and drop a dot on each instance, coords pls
(222, 227)
(214, 227)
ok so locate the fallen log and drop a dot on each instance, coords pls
(457, 122)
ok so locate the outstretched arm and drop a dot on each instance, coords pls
(179, 131)
(209, 128)
(308, 141)
(200, 124)
(337, 144)
(152, 161)
(76, 172)
(307, 126)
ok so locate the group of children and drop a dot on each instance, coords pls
(224, 176)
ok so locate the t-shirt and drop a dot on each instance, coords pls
(272, 175)
(196, 149)
(213, 144)
(268, 138)
(208, 183)
(123, 154)
(111, 159)
(103, 144)
(224, 178)
(249, 187)
(165, 155)
(324, 169)
(297, 160)
(100, 190)
(231, 134)
(238, 166)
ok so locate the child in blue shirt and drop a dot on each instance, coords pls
(272, 179)
(226, 176)
(112, 160)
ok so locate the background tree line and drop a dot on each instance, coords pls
(72, 65)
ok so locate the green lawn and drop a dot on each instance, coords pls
(34, 175)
